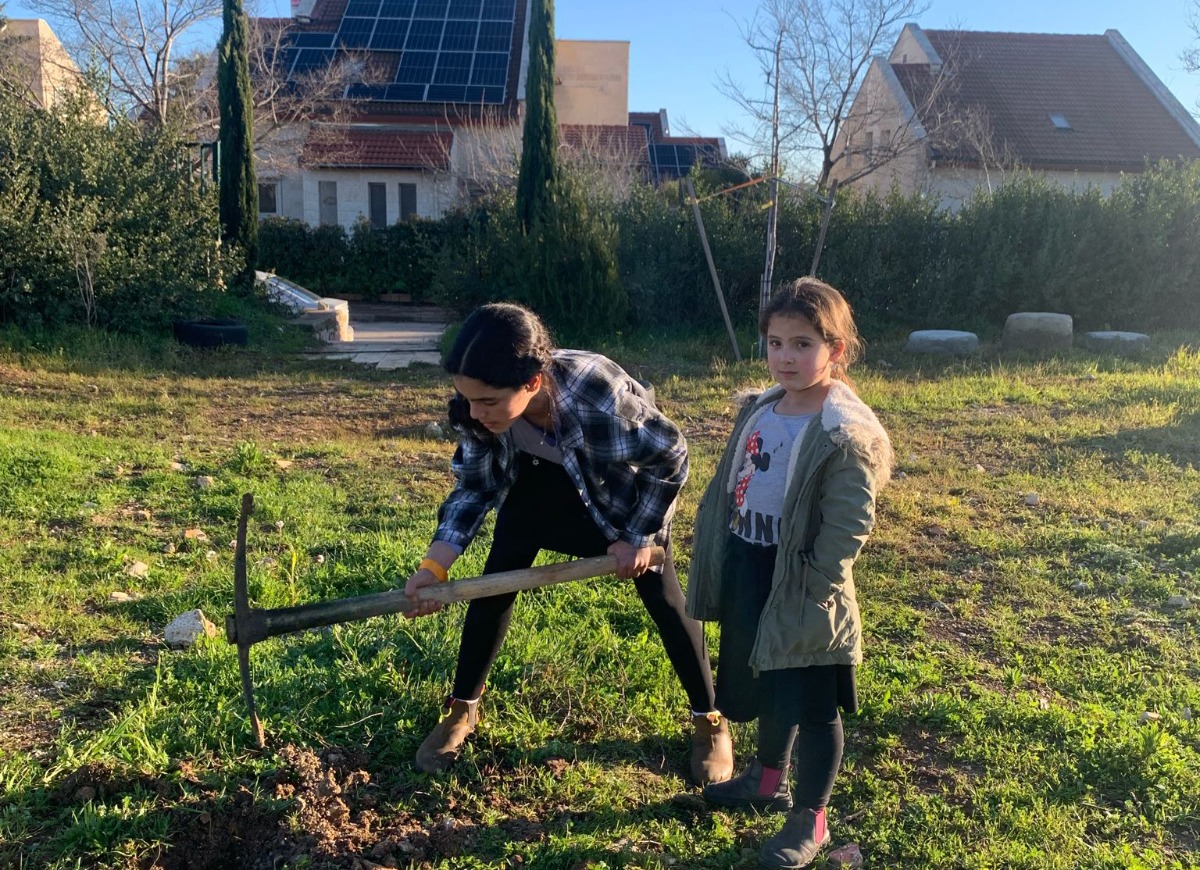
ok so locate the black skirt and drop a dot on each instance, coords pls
(796, 694)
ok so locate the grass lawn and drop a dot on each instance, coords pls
(1031, 690)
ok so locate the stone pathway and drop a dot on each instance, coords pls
(387, 344)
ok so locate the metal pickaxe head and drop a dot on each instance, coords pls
(241, 617)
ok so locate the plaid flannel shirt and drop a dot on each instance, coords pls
(626, 459)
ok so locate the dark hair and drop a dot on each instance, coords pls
(502, 344)
(826, 309)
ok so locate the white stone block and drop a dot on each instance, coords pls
(1037, 330)
(945, 341)
(187, 628)
(1115, 341)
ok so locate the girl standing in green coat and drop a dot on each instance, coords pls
(777, 533)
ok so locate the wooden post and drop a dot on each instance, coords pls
(830, 197)
(712, 267)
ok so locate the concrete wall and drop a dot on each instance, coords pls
(953, 186)
(43, 62)
(297, 196)
(912, 47)
(592, 82)
(882, 116)
(433, 197)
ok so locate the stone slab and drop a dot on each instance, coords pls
(387, 345)
(383, 331)
(403, 359)
(1115, 341)
(945, 341)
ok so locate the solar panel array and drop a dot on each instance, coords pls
(446, 51)
(675, 161)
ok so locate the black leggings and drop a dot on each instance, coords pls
(787, 702)
(543, 511)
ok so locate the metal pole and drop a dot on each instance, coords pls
(712, 267)
(764, 290)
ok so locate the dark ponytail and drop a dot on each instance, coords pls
(503, 345)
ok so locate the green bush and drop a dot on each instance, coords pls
(401, 258)
(1130, 260)
(100, 224)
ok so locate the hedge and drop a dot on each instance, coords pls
(1130, 260)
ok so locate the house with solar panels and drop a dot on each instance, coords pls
(441, 93)
(1080, 110)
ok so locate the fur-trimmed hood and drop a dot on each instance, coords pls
(847, 420)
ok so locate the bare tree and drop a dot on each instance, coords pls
(939, 123)
(967, 141)
(825, 48)
(291, 111)
(133, 42)
(1191, 56)
(487, 154)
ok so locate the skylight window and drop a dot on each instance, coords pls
(1060, 122)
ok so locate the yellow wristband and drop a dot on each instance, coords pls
(435, 568)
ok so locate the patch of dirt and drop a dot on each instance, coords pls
(97, 782)
(241, 831)
(319, 809)
(324, 788)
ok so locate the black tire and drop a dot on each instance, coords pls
(211, 333)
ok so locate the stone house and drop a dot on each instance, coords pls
(950, 112)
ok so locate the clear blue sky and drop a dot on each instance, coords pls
(679, 48)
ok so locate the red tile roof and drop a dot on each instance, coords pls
(381, 149)
(1021, 79)
(606, 139)
(653, 120)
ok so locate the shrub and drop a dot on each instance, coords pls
(101, 225)
(1130, 260)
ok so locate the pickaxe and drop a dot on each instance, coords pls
(247, 625)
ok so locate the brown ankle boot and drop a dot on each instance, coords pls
(441, 747)
(712, 749)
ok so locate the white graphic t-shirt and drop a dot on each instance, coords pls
(762, 479)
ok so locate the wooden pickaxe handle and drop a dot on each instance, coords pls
(247, 626)
(250, 625)
(527, 578)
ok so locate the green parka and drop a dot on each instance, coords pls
(834, 472)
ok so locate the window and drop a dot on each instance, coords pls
(885, 142)
(870, 149)
(1060, 122)
(849, 151)
(408, 201)
(377, 204)
(327, 197)
(268, 198)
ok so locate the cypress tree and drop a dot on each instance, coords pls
(537, 182)
(238, 183)
(565, 261)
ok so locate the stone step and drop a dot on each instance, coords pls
(944, 341)
(1115, 341)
